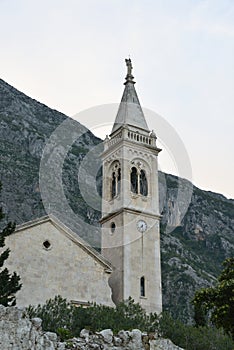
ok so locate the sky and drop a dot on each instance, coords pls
(70, 56)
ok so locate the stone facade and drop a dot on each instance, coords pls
(17, 332)
(52, 260)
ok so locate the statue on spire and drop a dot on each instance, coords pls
(129, 65)
(129, 76)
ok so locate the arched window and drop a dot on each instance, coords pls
(142, 286)
(143, 184)
(113, 185)
(139, 183)
(134, 180)
(115, 179)
(118, 181)
(113, 227)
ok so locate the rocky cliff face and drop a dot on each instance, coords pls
(193, 246)
(25, 127)
(193, 252)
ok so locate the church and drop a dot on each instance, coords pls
(53, 260)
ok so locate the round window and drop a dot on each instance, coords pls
(47, 244)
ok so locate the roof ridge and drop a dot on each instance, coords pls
(51, 217)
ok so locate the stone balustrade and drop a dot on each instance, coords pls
(126, 134)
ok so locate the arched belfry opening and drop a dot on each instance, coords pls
(113, 185)
(138, 180)
(143, 184)
(115, 179)
(134, 180)
(119, 181)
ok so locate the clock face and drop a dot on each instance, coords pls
(141, 226)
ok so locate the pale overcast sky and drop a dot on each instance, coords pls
(69, 54)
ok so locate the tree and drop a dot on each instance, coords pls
(216, 304)
(9, 283)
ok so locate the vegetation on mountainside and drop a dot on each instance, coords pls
(67, 321)
(9, 283)
(216, 304)
(192, 254)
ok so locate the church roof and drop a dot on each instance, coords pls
(74, 237)
(130, 111)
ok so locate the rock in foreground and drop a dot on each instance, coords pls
(18, 332)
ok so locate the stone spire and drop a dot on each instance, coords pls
(130, 111)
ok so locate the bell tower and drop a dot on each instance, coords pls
(130, 204)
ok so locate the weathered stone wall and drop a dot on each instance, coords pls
(65, 268)
(17, 332)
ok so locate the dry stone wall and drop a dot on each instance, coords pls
(17, 332)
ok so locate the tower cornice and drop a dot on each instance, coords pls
(131, 211)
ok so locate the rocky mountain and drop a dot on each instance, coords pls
(25, 128)
(193, 252)
(41, 146)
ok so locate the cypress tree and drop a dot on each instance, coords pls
(9, 283)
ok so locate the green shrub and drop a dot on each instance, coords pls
(67, 321)
(194, 338)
